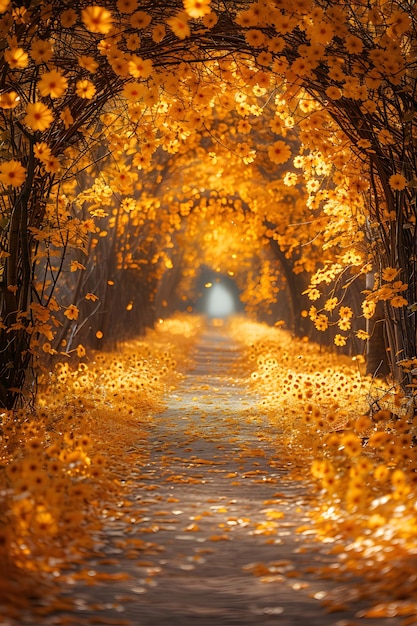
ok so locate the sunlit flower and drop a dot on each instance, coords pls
(255, 38)
(279, 152)
(179, 25)
(340, 340)
(397, 182)
(85, 89)
(9, 100)
(38, 116)
(81, 351)
(345, 312)
(362, 334)
(140, 19)
(52, 84)
(133, 91)
(97, 19)
(17, 58)
(51, 164)
(321, 322)
(68, 18)
(140, 68)
(4, 5)
(41, 150)
(368, 308)
(331, 304)
(41, 51)
(72, 312)
(12, 173)
(197, 8)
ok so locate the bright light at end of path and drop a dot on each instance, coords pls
(220, 302)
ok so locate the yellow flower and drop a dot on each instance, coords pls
(12, 173)
(17, 58)
(179, 25)
(80, 351)
(42, 151)
(330, 304)
(51, 164)
(4, 5)
(321, 322)
(362, 334)
(398, 301)
(85, 89)
(344, 324)
(41, 51)
(97, 19)
(345, 312)
(133, 91)
(279, 152)
(389, 273)
(197, 8)
(397, 182)
(340, 340)
(140, 19)
(9, 100)
(140, 68)
(71, 312)
(368, 308)
(38, 116)
(53, 84)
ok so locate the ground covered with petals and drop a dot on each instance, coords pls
(226, 474)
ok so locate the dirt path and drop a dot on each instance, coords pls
(218, 516)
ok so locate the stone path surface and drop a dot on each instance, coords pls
(220, 515)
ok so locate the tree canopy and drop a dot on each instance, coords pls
(274, 140)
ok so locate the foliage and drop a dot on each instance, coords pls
(144, 84)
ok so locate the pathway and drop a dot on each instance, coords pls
(219, 519)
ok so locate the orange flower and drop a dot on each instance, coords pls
(41, 51)
(210, 20)
(140, 68)
(38, 116)
(97, 19)
(68, 18)
(179, 25)
(126, 6)
(53, 84)
(197, 8)
(279, 152)
(72, 312)
(42, 151)
(158, 33)
(140, 19)
(17, 58)
(12, 173)
(9, 100)
(85, 89)
(397, 182)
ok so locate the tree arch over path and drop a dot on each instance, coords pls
(97, 100)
